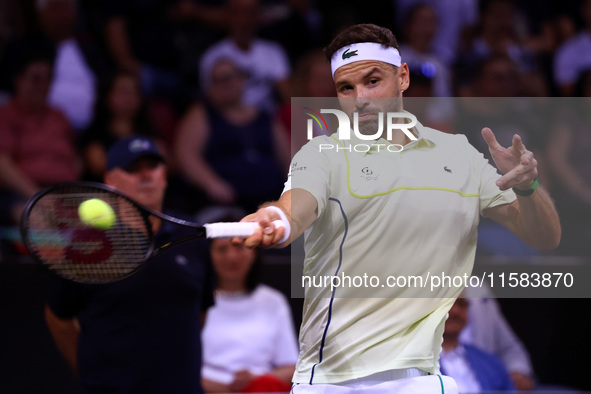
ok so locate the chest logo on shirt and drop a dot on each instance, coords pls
(447, 169)
(368, 174)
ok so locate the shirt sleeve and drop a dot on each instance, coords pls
(310, 170)
(281, 67)
(564, 70)
(490, 194)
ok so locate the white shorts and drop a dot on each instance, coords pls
(384, 383)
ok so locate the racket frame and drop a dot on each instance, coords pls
(152, 251)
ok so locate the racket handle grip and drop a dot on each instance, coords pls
(231, 230)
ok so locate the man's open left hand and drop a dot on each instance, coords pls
(518, 165)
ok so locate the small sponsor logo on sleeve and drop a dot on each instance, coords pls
(295, 167)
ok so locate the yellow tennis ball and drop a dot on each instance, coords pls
(97, 213)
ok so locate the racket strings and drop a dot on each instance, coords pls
(80, 252)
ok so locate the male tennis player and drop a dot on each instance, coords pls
(141, 334)
(410, 213)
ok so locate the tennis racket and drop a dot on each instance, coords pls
(55, 235)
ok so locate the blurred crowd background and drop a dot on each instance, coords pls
(211, 82)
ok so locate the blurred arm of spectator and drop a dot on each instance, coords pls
(210, 386)
(13, 178)
(65, 333)
(489, 330)
(189, 149)
(508, 347)
(284, 373)
(118, 44)
(282, 144)
(244, 378)
(545, 41)
(474, 368)
(187, 10)
(562, 140)
(521, 381)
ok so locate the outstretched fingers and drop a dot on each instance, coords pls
(490, 139)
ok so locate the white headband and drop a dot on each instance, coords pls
(364, 51)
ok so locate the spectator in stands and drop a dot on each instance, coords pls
(265, 63)
(473, 369)
(435, 112)
(574, 56)
(249, 342)
(417, 48)
(78, 64)
(455, 16)
(311, 77)
(430, 77)
(496, 87)
(143, 38)
(536, 25)
(497, 37)
(495, 76)
(566, 28)
(298, 29)
(119, 113)
(9, 21)
(234, 152)
(36, 141)
(140, 334)
(422, 85)
(488, 330)
(569, 145)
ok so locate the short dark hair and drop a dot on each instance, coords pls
(481, 67)
(485, 5)
(30, 56)
(366, 32)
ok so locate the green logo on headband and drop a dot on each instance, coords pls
(348, 54)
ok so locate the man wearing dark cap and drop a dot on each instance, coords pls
(141, 334)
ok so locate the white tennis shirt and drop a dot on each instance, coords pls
(254, 332)
(385, 214)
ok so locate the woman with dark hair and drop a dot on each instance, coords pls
(249, 342)
(235, 153)
(119, 112)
